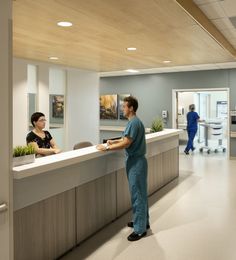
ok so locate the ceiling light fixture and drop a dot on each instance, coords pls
(64, 24)
(53, 58)
(132, 71)
(166, 61)
(131, 49)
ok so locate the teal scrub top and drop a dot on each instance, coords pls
(136, 131)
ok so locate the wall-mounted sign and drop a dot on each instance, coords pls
(221, 109)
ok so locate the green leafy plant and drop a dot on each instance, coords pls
(157, 125)
(22, 150)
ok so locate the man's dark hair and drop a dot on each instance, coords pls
(131, 102)
(35, 117)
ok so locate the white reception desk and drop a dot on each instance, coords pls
(60, 200)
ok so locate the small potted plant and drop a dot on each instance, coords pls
(157, 125)
(23, 155)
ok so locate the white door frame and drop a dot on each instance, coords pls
(174, 111)
(6, 179)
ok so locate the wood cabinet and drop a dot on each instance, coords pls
(75, 201)
(45, 230)
(95, 205)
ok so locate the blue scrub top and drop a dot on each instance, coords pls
(192, 120)
(136, 131)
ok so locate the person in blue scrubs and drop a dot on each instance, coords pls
(192, 126)
(134, 142)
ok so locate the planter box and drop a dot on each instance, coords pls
(21, 160)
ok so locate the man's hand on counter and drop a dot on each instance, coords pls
(102, 147)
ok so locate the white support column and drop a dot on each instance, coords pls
(6, 214)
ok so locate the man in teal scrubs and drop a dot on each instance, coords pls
(134, 142)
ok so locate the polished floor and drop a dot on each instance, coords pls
(193, 218)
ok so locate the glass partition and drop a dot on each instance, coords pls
(57, 89)
(32, 91)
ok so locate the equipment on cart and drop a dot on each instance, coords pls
(212, 130)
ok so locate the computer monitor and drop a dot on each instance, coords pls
(113, 138)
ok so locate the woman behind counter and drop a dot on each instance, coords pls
(42, 140)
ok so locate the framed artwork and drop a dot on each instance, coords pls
(56, 109)
(121, 101)
(108, 107)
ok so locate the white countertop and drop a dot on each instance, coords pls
(53, 162)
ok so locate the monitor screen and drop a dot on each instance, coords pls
(113, 138)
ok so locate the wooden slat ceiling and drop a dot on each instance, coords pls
(103, 29)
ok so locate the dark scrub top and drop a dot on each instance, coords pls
(192, 120)
(41, 142)
(136, 131)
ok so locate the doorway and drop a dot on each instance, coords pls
(212, 105)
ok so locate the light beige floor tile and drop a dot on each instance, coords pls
(193, 218)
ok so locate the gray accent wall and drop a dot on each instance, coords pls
(232, 84)
(154, 91)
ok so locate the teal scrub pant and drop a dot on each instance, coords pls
(136, 169)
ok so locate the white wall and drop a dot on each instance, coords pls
(216, 96)
(20, 108)
(32, 79)
(43, 90)
(82, 108)
(184, 100)
(57, 81)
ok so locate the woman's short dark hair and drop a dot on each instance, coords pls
(35, 117)
(132, 102)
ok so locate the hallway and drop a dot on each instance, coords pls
(192, 218)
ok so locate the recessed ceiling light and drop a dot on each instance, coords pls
(132, 71)
(53, 58)
(64, 24)
(166, 61)
(131, 49)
